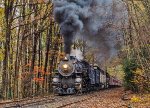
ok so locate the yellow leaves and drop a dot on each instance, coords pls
(1, 11)
(135, 99)
(40, 1)
(140, 101)
(116, 70)
(1, 15)
(139, 71)
(138, 79)
(1, 24)
(1, 55)
(135, 81)
(139, 4)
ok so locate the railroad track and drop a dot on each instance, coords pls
(95, 94)
(43, 102)
(67, 101)
(25, 103)
(68, 104)
(51, 101)
(22, 102)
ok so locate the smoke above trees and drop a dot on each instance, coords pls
(98, 22)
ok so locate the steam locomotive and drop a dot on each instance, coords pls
(75, 77)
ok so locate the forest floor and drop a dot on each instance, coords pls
(115, 98)
(110, 98)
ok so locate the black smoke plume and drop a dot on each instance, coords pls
(91, 20)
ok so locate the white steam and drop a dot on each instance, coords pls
(77, 53)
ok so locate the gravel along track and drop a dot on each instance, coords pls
(110, 98)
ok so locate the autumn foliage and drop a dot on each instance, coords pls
(137, 41)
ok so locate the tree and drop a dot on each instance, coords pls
(137, 38)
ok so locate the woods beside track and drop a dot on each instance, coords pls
(110, 98)
(32, 46)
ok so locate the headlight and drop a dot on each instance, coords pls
(65, 66)
(78, 80)
(55, 79)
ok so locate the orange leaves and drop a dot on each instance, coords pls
(38, 69)
(52, 53)
(37, 75)
(41, 70)
(47, 73)
(41, 1)
(29, 64)
(41, 79)
(61, 55)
